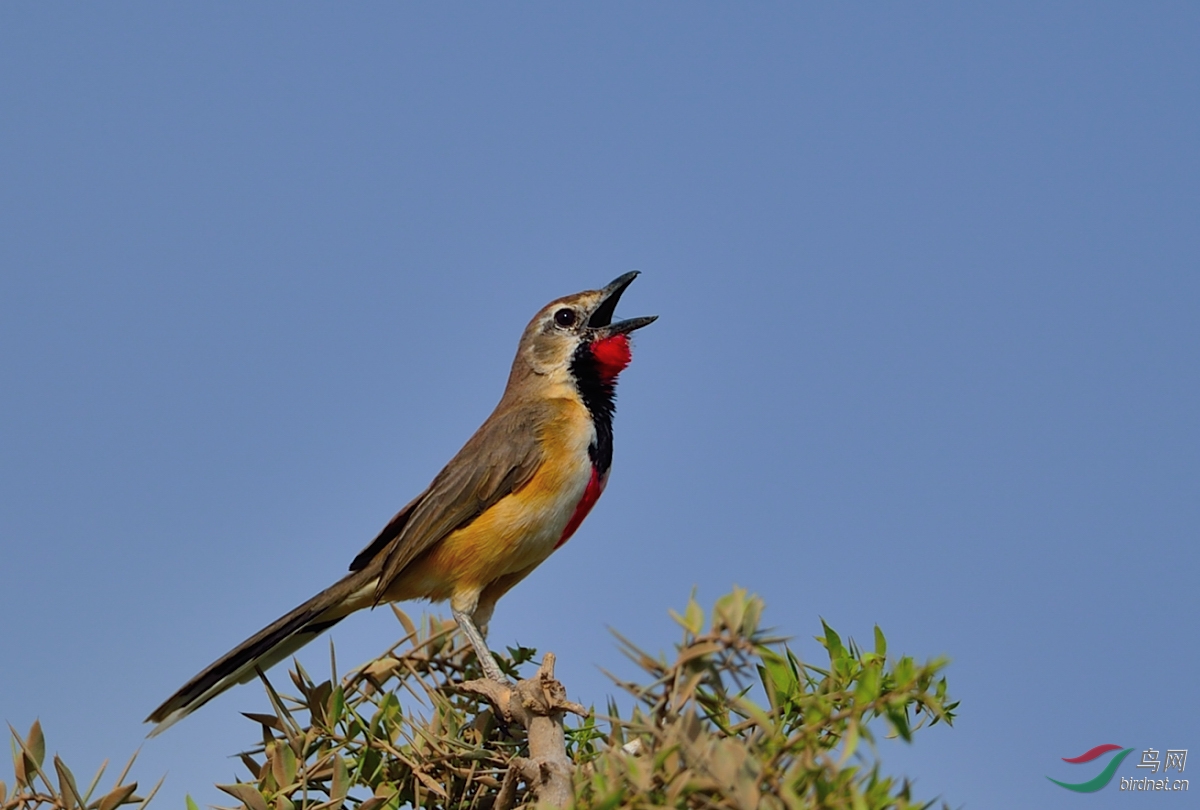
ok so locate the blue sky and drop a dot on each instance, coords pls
(928, 352)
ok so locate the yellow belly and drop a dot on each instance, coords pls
(516, 533)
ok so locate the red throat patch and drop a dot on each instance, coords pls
(612, 356)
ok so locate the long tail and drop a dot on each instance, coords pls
(269, 646)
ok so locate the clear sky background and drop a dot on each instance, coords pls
(928, 355)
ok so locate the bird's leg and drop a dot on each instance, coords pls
(483, 616)
(490, 668)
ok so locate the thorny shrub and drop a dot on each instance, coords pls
(33, 789)
(735, 721)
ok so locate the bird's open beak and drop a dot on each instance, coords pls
(601, 320)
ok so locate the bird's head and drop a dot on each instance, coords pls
(578, 330)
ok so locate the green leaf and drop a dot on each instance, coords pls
(778, 679)
(191, 803)
(880, 643)
(35, 743)
(869, 682)
(754, 609)
(833, 643)
(341, 780)
(729, 610)
(692, 619)
(337, 705)
(246, 794)
(899, 722)
(286, 758)
(66, 784)
(383, 721)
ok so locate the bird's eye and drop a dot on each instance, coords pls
(564, 317)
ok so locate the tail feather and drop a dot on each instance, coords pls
(267, 647)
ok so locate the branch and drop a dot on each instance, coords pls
(538, 704)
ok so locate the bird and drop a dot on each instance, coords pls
(516, 491)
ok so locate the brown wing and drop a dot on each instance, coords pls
(389, 533)
(498, 460)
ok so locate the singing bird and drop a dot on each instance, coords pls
(515, 492)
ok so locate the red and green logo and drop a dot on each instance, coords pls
(1101, 779)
